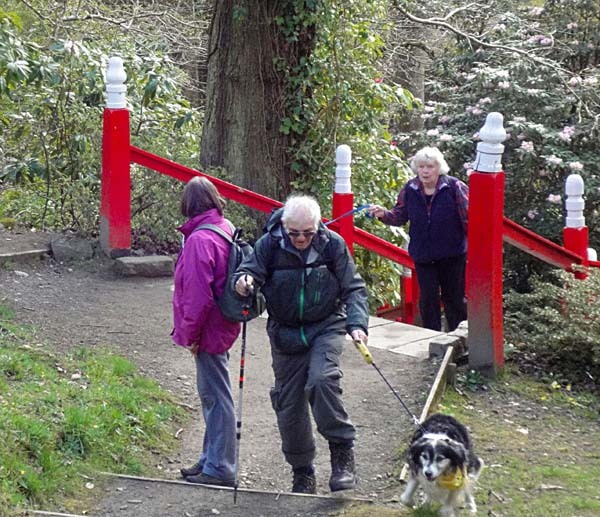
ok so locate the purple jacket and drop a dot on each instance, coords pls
(200, 275)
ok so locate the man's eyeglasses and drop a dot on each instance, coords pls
(294, 234)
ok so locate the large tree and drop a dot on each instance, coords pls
(258, 53)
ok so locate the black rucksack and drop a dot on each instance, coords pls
(233, 306)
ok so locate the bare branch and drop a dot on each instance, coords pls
(436, 22)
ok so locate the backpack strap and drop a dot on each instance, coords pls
(216, 229)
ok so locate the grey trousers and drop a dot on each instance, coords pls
(310, 379)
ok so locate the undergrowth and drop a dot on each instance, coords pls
(64, 418)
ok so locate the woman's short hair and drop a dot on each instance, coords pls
(429, 154)
(200, 195)
(301, 208)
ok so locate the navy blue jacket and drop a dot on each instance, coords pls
(437, 231)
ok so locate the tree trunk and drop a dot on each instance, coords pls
(249, 67)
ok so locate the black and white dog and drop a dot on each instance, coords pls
(443, 464)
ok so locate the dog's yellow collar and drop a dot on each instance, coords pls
(452, 480)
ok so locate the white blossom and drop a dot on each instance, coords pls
(554, 198)
(527, 146)
(566, 133)
(575, 166)
(554, 160)
(433, 132)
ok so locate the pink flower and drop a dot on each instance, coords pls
(531, 214)
(554, 160)
(576, 166)
(378, 80)
(527, 146)
(566, 133)
(554, 198)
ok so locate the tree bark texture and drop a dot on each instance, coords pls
(248, 90)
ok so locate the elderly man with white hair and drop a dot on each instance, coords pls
(314, 296)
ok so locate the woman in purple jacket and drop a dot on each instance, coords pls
(436, 205)
(200, 276)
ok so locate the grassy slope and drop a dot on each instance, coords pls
(540, 443)
(62, 418)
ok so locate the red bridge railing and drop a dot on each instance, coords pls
(488, 227)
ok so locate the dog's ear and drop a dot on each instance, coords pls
(455, 452)
(415, 451)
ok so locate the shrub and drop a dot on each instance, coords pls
(556, 326)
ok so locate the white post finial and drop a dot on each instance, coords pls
(343, 157)
(490, 149)
(115, 84)
(574, 203)
(592, 255)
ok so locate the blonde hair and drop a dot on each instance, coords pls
(429, 154)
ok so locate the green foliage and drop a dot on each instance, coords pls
(555, 328)
(63, 418)
(351, 104)
(52, 99)
(547, 90)
(342, 99)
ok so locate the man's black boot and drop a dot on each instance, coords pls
(343, 472)
(305, 481)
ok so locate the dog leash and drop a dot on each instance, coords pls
(364, 351)
(359, 208)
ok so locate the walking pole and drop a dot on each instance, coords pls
(240, 401)
(362, 348)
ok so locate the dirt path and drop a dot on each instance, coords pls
(87, 305)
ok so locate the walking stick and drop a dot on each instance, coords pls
(240, 401)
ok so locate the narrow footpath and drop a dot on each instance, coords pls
(86, 304)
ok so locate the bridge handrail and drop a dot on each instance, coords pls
(513, 233)
(539, 247)
(260, 202)
(183, 173)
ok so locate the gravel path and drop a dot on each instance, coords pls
(86, 304)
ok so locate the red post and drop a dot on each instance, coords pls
(575, 233)
(343, 198)
(115, 197)
(409, 290)
(484, 255)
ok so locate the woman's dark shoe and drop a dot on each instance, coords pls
(205, 479)
(194, 470)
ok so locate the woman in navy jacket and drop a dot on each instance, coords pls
(436, 206)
